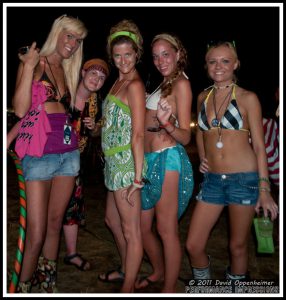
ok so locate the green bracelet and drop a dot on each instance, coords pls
(264, 179)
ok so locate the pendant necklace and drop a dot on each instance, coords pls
(216, 122)
(219, 143)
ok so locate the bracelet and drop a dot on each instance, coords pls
(264, 179)
(264, 189)
(167, 124)
(138, 184)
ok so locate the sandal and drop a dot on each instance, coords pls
(84, 266)
(106, 275)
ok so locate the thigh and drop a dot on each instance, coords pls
(61, 191)
(147, 217)
(203, 219)
(112, 216)
(128, 214)
(240, 220)
(166, 208)
(37, 193)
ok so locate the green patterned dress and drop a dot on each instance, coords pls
(116, 144)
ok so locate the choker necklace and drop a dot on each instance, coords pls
(216, 122)
(223, 87)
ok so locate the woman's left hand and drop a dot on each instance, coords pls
(266, 202)
(164, 111)
(127, 194)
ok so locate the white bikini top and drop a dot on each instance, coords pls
(153, 99)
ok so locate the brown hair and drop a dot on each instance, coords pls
(125, 25)
(177, 45)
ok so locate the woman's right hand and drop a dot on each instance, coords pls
(204, 167)
(32, 57)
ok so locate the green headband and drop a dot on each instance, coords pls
(133, 36)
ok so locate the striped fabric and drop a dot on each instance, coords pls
(271, 134)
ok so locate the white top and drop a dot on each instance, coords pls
(153, 99)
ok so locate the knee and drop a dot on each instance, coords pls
(193, 247)
(167, 232)
(237, 248)
(111, 223)
(131, 232)
(55, 223)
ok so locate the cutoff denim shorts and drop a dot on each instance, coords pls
(233, 188)
(51, 165)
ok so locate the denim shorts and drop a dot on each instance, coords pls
(233, 188)
(51, 165)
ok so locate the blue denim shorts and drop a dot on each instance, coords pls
(233, 188)
(51, 165)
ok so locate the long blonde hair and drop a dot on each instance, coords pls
(73, 64)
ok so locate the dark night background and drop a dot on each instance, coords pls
(255, 31)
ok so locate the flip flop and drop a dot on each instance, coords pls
(106, 275)
(82, 266)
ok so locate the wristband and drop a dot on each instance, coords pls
(264, 189)
(165, 125)
(138, 184)
(264, 179)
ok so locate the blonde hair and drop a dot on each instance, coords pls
(73, 64)
(231, 46)
(125, 25)
(177, 45)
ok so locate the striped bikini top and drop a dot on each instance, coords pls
(231, 119)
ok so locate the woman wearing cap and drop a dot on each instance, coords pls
(123, 147)
(94, 73)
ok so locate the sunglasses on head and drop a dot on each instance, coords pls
(212, 44)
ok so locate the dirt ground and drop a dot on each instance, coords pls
(95, 242)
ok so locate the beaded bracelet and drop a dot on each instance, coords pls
(138, 184)
(264, 189)
(264, 179)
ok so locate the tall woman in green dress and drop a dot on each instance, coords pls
(123, 147)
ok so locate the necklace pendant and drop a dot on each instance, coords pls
(219, 144)
(215, 122)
